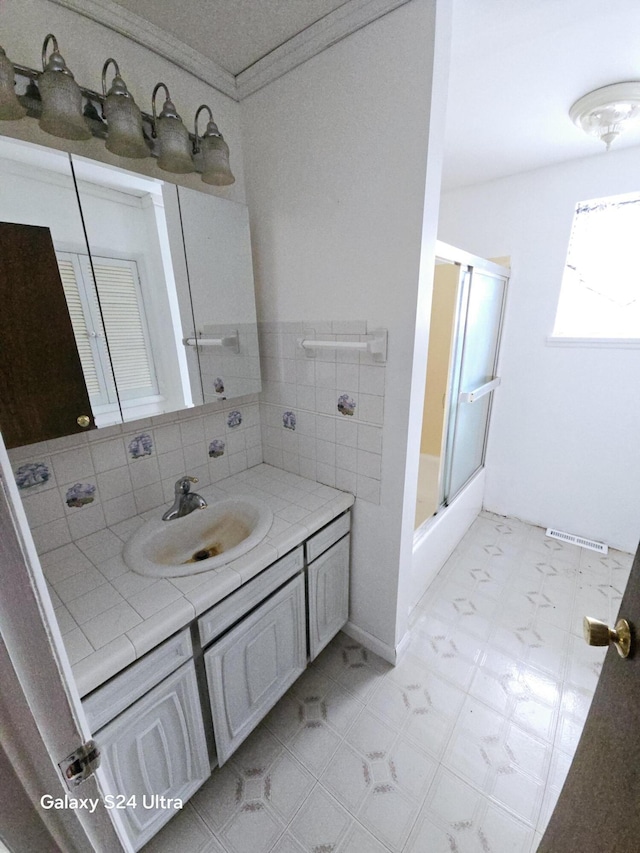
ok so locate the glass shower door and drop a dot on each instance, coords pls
(473, 380)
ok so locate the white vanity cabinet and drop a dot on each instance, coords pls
(154, 752)
(328, 583)
(249, 649)
(254, 664)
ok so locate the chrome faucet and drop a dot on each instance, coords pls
(185, 500)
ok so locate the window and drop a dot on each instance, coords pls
(600, 293)
(121, 312)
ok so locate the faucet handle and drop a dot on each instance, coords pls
(184, 484)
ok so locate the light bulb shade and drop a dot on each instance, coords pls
(174, 145)
(215, 162)
(124, 122)
(606, 112)
(10, 106)
(61, 105)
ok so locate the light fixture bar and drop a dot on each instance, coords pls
(96, 125)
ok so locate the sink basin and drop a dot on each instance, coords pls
(203, 540)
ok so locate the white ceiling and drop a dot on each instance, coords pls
(517, 66)
(234, 33)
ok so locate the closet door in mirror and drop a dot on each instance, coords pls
(42, 386)
(38, 190)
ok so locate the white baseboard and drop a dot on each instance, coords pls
(383, 650)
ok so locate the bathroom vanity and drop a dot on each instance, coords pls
(185, 705)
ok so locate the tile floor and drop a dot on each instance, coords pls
(463, 747)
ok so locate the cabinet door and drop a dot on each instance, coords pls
(328, 595)
(250, 668)
(156, 749)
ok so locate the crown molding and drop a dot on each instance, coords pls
(144, 33)
(329, 30)
(337, 25)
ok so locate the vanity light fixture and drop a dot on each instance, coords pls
(173, 137)
(214, 152)
(61, 97)
(124, 119)
(10, 106)
(606, 112)
(53, 97)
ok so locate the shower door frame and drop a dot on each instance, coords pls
(467, 263)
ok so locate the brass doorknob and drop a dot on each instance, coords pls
(598, 633)
(83, 421)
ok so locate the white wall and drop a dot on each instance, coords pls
(336, 156)
(564, 446)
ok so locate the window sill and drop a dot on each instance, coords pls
(595, 343)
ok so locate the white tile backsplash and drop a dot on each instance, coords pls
(132, 468)
(339, 449)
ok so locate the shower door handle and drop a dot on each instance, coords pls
(472, 396)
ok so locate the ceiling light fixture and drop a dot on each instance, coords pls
(606, 112)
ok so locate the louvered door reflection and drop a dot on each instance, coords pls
(119, 294)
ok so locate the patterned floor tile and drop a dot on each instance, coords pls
(312, 718)
(446, 650)
(463, 747)
(468, 610)
(500, 759)
(357, 669)
(529, 697)
(419, 704)
(249, 802)
(457, 818)
(322, 825)
(380, 777)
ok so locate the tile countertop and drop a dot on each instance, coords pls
(109, 616)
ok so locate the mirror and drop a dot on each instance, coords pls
(145, 266)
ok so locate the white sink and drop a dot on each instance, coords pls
(203, 540)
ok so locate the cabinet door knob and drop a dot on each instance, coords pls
(83, 421)
(598, 633)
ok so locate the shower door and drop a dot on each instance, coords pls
(475, 353)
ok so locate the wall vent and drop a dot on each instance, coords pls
(577, 540)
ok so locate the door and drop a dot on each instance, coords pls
(598, 806)
(41, 717)
(252, 665)
(473, 380)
